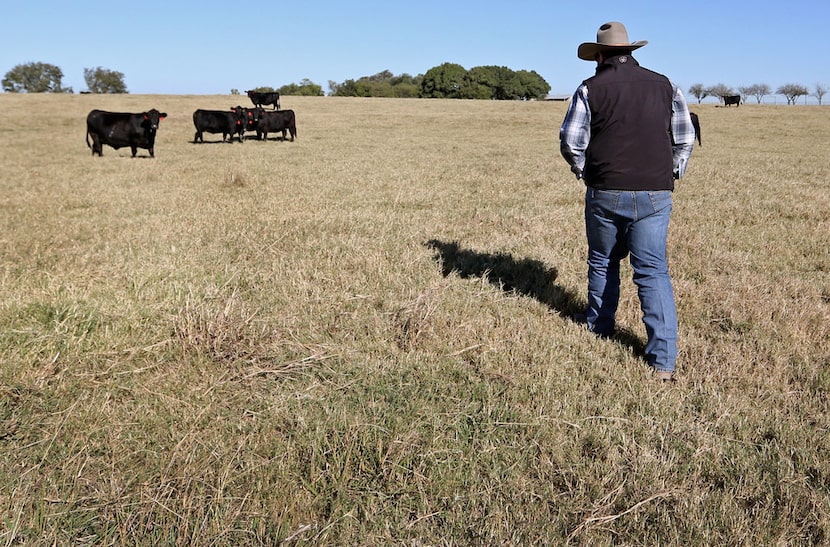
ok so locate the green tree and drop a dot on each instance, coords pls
(102, 80)
(448, 80)
(382, 84)
(353, 88)
(792, 92)
(472, 89)
(380, 76)
(405, 79)
(480, 82)
(504, 84)
(305, 88)
(35, 78)
(443, 81)
(406, 90)
(508, 87)
(333, 86)
(483, 82)
(535, 87)
(405, 86)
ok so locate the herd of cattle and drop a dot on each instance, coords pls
(138, 130)
(122, 129)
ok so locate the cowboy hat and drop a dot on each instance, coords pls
(610, 36)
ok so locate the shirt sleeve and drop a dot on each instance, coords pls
(682, 131)
(576, 131)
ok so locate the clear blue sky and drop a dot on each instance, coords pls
(211, 47)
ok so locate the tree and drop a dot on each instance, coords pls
(759, 91)
(406, 86)
(503, 84)
(35, 78)
(474, 88)
(506, 85)
(535, 87)
(443, 81)
(382, 84)
(305, 88)
(719, 90)
(102, 80)
(352, 88)
(699, 92)
(820, 91)
(480, 82)
(380, 76)
(333, 87)
(448, 81)
(792, 92)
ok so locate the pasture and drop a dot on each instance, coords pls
(363, 338)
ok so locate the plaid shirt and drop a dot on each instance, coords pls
(575, 132)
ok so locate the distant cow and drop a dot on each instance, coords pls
(280, 120)
(731, 99)
(260, 99)
(696, 125)
(227, 122)
(121, 129)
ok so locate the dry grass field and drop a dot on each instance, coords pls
(363, 337)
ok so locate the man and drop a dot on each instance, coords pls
(628, 135)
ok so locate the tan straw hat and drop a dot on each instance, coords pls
(610, 36)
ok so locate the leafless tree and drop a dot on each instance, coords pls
(699, 92)
(820, 91)
(792, 92)
(759, 91)
(719, 90)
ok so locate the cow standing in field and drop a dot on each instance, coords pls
(281, 120)
(259, 99)
(696, 125)
(121, 129)
(251, 117)
(227, 122)
(731, 99)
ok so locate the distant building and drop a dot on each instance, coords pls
(558, 98)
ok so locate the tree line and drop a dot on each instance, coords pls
(48, 78)
(791, 92)
(448, 80)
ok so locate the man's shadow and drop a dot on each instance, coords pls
(526, 276)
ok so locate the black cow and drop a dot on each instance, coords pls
(251, 117)
(731, 99)
(280, 120)
(696, 125)
(227, 122)
(260, 99)
(120, 129)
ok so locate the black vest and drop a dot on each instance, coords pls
(630, 146)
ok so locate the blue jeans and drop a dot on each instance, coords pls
(619, 223)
